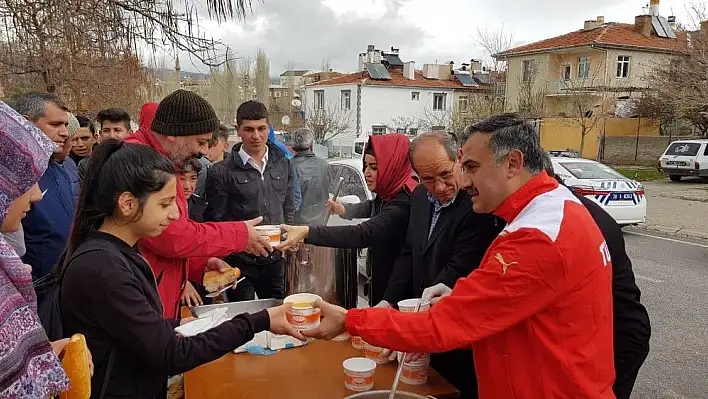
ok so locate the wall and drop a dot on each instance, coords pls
(622, 150)
(620, 127)
(513, 80)
(561, 134)
(641, 64)
(382, 105)
(332, 97)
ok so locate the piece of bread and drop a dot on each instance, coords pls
(215, 280)
(74, 361)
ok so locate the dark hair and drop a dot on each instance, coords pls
(369, 150)
(114, 115)
(193, 165)
(511, 132)
(222, 133)
(86, 122)
(115, 168)
(32, 104)
(251, 110)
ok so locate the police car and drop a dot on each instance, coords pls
(621, 197)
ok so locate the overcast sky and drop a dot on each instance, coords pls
(305, 31)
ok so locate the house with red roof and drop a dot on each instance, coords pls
(600, 62)
(388, 95)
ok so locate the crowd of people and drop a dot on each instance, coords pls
(533, 293)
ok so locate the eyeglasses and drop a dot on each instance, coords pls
(443, 178)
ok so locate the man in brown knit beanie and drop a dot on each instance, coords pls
(183, 125)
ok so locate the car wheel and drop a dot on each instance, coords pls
(674, 177)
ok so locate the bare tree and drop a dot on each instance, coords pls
(494, 41)
(677, 85)
(327, 121)
(531, 101)
(409, 125)
(326, 64)
(261, 74)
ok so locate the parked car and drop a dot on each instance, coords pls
(621, 197)
(685, 158)
(353, 191)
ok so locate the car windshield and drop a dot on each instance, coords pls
(683, 149)
(591, 170)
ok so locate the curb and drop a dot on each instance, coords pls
(683, 197)
(674, 231)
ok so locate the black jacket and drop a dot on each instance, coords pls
(384, 234)
(631, 320)
(235, 191)
(313, 175)
(454, 250)
(109, 294)
(196, 206)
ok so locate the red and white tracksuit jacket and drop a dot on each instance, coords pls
(537, 313)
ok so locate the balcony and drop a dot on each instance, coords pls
(563, 86)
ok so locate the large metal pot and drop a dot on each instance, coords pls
(328, 272)
(384, 395)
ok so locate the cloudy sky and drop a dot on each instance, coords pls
(303, 32)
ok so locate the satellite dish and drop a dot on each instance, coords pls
(296, 103)
(285, 120)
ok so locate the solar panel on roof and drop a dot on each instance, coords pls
(466, 80)
(377, 71)
(393, 60)
(667, 28)
(658, 28)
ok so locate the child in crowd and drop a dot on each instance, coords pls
(195, 203)
(109, 292)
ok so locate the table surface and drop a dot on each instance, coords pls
(311, 371)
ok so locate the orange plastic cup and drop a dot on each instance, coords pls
(375, 353)
(359, 374)
(303, 319)
(416, 373)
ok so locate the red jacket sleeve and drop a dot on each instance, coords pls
(522, 273)
(186, 238)
(195, 269)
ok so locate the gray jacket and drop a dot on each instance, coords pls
(313, 174)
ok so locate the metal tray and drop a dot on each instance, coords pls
(236, 308)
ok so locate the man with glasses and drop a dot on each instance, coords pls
(446, 240)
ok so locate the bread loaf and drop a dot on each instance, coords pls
(75, 362)
(215, 280)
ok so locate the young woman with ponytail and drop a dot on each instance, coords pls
(109, 292)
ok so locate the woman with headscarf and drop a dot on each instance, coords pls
(388, 173)
(30, 367)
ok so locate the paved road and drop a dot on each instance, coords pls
(677, 207)
(673, 277)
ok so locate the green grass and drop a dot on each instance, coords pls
(641, 173)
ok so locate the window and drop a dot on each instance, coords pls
(353, 183)
(319, 99)
(415, 95)
(413, 131)
(346, 99)
(285, 94)
(438, 128)
(463, 103)
(623, 66)
(401, 130)
(528, 69)
(567, 72)
(378, 130)
(439, 101)
(277, 94)
(683, 148)
(590, 170)
(584, 67)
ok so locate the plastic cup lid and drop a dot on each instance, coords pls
(359, 364)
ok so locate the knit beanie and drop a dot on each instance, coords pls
(73, 124)
(184, 113)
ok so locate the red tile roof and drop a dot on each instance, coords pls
(609, 35)
(397, 79)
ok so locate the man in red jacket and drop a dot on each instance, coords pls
(182, 126)
(538, 311)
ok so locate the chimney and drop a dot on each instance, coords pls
(672, 21)
(600, 20)
(590, 24)
(475, 65)
(409, 70)
(362, 60)
(642, 25)
(704, 26)
(654, 7)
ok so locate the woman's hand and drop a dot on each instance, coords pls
(279, 323)
(294, 236)
(336, 208)
(59, 345)
(190, 296)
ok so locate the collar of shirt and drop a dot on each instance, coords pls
(436, 203)
(248, 160)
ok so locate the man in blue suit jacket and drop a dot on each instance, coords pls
(48, 222)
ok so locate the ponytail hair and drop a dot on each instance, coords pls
(115, 167)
